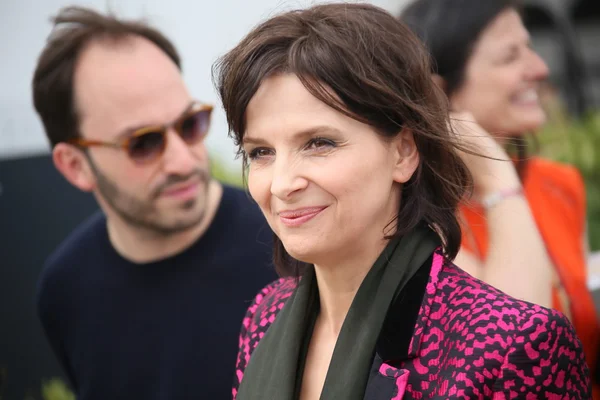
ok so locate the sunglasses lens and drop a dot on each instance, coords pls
(147, 146)
(195, 126)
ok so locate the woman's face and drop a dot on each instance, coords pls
(502, 78)
(327, 184)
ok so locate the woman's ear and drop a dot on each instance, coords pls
(407, 156)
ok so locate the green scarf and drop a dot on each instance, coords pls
(272, 373)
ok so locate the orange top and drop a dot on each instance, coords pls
(556, 195)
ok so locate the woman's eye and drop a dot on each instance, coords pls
(259, 152)
(509, 57)
(319, 143)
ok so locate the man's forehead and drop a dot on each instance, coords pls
(120, 86)
(134, 61)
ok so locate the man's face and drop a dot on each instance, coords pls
(119, 88)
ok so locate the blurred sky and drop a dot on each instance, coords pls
(201, 29)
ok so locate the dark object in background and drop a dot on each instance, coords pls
(565, 33)
(38, 209)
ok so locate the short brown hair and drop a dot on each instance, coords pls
(380, 74)
(74, 28)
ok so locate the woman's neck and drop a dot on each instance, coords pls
(338, 281)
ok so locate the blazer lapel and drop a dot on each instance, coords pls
(402, 333)
(386, 382)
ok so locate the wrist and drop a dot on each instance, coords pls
(494, 198)
(497, 181)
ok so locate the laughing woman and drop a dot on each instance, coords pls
(530, 221)
(351, 159)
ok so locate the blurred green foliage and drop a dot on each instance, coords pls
(577, 142)
(221, 172)
(55, 389)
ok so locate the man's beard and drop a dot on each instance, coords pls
(143, 214)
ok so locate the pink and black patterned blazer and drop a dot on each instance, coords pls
(451, 336)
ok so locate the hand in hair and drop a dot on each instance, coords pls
(490, 165)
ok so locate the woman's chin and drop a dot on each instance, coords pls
(523, 128)
(305, 252)
(300, 255)
(530, 122)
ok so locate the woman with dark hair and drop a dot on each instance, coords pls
(351, 158)
(524, 231)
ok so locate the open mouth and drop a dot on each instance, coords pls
(527, 97)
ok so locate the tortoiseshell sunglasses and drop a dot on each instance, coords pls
(147, 144)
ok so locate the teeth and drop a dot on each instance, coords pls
(528, 96)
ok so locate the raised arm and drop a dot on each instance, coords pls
(517, 262)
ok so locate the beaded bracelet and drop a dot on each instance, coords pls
(493, 199)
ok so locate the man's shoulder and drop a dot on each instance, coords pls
(240, 202)
(78, 245)
(242, 217)
(60, 273)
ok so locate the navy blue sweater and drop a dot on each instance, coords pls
(161, 330)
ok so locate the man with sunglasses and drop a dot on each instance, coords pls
(145, 299)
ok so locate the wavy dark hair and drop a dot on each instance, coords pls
(361, 61)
